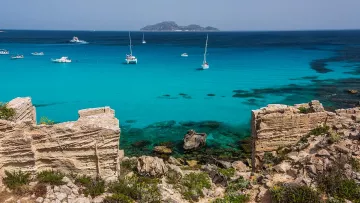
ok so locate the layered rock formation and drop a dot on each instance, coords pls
(280, 125)
(88, 146)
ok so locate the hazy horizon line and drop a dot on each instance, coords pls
(89, 30)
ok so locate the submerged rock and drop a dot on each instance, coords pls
(352, 91)
(193, 140)
(162, 150)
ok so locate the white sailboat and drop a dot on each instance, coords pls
(205, 64)
(143, 41)
(130, 59)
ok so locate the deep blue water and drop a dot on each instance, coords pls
(164, 86)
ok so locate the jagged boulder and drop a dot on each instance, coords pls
(151, 166)
(193, 140)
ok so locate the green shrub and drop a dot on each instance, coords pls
(51, 177)
(16, 180)
(118, 198)
(269, 158)
(127, 166)
(46, 121)
(5, 112)
(320, 130)
(237, 185)
(192, 184)
(294, 194)
(305, 110)
(141, 189)
(334, 138)
(173, 177)
(355, 164)
(229, 172)
(83, 180)
(233, 199)
(95, 188)
(334, 183)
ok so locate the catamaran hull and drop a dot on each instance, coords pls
(205, 66)
(131, 61)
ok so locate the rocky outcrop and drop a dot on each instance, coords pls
(280, 125)
(25, 111)
(151, 166)
(88, 146)
(193, 140)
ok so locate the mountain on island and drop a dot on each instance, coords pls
(172, 26)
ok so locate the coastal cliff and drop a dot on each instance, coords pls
(88, 146)
(300, 154)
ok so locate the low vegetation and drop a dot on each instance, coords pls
(141, 189)
(334, 183)
(233, 198)
(228, 172)
(305, 110)
(291, 193)
(173, 177)
(118, 198)
(320, 130)
(192, 184)
(95, 187)
(128, 166)
(355, 164)
(5, 112)
(50, 177)
(46, 121)
(16, 181)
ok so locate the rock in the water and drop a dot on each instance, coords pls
(162, 150)
(239, 166)
(353, 91)
(193, 140)
(174, 161)
(152, 166)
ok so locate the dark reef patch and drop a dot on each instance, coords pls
(350, 54)
(130, 121)
(211, 95)
(306, 78)
(48, 104)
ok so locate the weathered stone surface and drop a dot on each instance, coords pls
(240, 166)
(152, 166)
(193, 140)
(278, 125)
(162, 150)
(87, 146)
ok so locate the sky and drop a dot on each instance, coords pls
(241, 15)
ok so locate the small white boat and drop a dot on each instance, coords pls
(4, 52)
(130, 59)
(17, 57)
(77, 41)
(205, 64)
(38, 54)
(184, 55)
(63, 59)
(143, 41)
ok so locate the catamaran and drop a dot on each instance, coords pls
(184, 55)
(130, 59)
(205, 64)
(143, 41)
(38, 54)
(63, 59)
(77, 41)
(17, 57)
(4, 52)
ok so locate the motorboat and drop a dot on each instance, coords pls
(17, 57)
(205, 64)
(77, 41)
(4, 52)
(63, 59)
(184, 55)
(130, 59)
(38, 54)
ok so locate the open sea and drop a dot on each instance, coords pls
(164, 95)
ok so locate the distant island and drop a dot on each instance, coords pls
(172, 26)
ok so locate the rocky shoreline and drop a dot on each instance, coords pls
(301, 151)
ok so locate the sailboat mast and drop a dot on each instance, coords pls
(143, 36)
(130, 45)
(207, 37)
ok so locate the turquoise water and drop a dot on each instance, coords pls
(97, 77)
